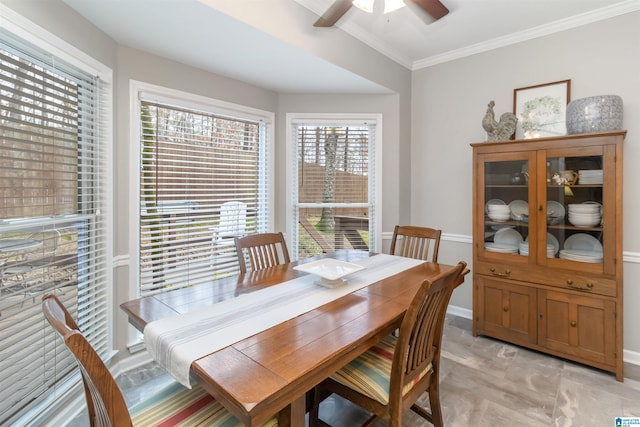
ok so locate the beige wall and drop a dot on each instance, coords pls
(450, 100)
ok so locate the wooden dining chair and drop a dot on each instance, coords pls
(388, 379)
(263, 250)
(172, 405)
(416, 242)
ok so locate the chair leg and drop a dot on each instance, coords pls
(435, 417)
(422, 412)
(371, 421)
(434, 400)
(314, 406)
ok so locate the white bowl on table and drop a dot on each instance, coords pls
(331, 271)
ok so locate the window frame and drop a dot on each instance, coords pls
(375, 162)
(22, 27)
(164, 95)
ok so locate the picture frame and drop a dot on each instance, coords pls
(541, 109)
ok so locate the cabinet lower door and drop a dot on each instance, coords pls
(577, 325)
(505, 310)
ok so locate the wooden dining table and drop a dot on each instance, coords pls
(271, 371)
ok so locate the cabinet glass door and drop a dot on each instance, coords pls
(575, 197)
(506, 206)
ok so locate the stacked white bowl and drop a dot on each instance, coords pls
(499, 213)
(585, 214)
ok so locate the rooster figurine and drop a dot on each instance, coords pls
(502, 130)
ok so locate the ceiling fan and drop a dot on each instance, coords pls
(339, 7)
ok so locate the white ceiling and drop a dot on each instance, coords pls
(243, 38)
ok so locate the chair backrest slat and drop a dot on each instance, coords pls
(263, 251)
(416, 242)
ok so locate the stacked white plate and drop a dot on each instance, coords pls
(496, 247)
(552, 246)
(590, 176)
(582, 247)
(586, 214)
(506, 240)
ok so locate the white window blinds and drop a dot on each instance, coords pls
(203, 181)
(334, 191)
(52, 232)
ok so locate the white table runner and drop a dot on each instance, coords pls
(177, 341)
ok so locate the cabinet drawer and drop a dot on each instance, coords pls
(521, 272)
(558, 278)
(576, 282)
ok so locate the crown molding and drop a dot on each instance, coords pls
(530, 34)
(533, 33)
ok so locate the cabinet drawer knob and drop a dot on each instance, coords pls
(493, 271)
(587, 287)
(505, 309)
(573, 323)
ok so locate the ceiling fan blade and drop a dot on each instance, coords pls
(433, 7)
(334, 13)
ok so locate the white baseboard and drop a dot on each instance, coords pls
(459, 311)
(632, 357)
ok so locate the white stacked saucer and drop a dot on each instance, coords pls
(497, 247)
(582, 247)
(506, 240)
(552, 246)
(580, 256)
(590, 176)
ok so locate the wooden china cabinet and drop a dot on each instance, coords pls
(547, 245)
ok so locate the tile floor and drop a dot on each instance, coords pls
(484, 383)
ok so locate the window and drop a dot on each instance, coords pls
(333, 185)
(52, 222)
(203, 181)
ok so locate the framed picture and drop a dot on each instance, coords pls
(541, 109)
